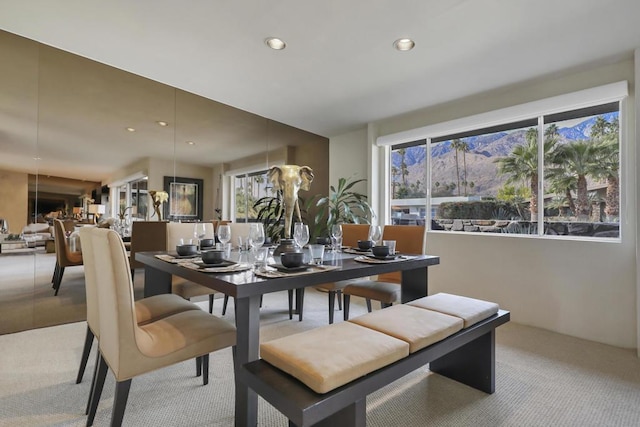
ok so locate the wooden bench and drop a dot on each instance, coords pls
(467, 356)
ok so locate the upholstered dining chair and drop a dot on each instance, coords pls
(147, 309)
(129, 349)
(351, 233)
(386, 288)
(65, 257)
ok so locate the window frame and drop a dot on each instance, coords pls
(559, 105)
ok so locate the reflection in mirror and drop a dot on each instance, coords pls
(108, 137)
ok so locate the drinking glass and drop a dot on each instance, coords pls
(375, 234)
(336, 236)
(224, 234)
(301, 234)
(317, 254)
(199, 232)
(256, 235)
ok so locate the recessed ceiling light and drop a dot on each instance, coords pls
(275, 43)
(404, 44)
(131, 129)
(191, 143)
(161, 123)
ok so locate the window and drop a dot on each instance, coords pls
(561, 170)
(249, 188)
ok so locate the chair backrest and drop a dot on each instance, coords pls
(63, 253)
(93, 319)
(118, 342)
(351, 233)
(238, 229)
(183, 230)
(147, 236)
(409, 240)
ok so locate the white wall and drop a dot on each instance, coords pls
(348, 156)
(584, 289)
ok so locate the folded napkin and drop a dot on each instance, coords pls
(370, 260)
(356, 251)
(271, 272)
(243, 266)
(169, 258)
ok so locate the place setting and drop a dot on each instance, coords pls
(382, 254)
(293, 264)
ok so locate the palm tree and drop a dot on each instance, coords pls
(403, 166)
(522, 165)
(464, 147)
(579, 158)
(607, 165)
(456, 144)
(394, 174)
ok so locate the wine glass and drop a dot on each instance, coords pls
(199, 232)
(375, 234)
(224, 234)
(301, 234)
(256, 235)
(336, 234)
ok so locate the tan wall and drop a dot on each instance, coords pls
(579, 288)
(14, 190)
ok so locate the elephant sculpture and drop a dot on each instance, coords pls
(290, 179)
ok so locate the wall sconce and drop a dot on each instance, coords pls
(97, 210)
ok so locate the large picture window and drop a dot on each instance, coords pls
(555, 174)
(249, 188)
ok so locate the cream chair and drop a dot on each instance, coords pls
(180, 286)
(386, 289)
(130, 349)
(351, 233)
(65, 257)
(147, 309)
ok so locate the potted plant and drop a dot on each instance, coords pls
(342, 205)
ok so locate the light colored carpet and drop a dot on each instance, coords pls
(543, 379)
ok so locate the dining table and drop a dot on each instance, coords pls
(247, 287)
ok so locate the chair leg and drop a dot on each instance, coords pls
(368, 305)
(299, 302)
(224, 304)
(290, 294)
(198, 366)
(205, 369)
(120, 402)
(58, 280)
(88, 340)
(55, 273)
(93, 382)
(210, 303)
(332, 305)
(347, 300)
(339, 297)
(97, 390)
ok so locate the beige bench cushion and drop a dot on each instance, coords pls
(326, 358)
(417, 326)
(470, 310)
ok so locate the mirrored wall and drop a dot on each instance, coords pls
(75, 133)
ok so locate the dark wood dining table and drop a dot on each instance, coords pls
(246, 288)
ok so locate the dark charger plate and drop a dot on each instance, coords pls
(224, 263)
(284, 269)
(384, 258)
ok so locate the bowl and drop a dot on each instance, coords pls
(212, 256)
(365, 244)
(206, 243)
(323, 240)
(292, 259)
(380, 251)
(186, 250)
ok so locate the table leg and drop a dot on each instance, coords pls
(156, 282)
(247, 350)
(415, 284)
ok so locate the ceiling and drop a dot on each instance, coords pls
(339, 70)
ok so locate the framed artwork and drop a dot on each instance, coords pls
(185, 199)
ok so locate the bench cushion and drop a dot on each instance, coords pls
(470, 310)
(326, 358)
(417, 326)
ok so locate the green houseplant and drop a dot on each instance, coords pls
(342, 205)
